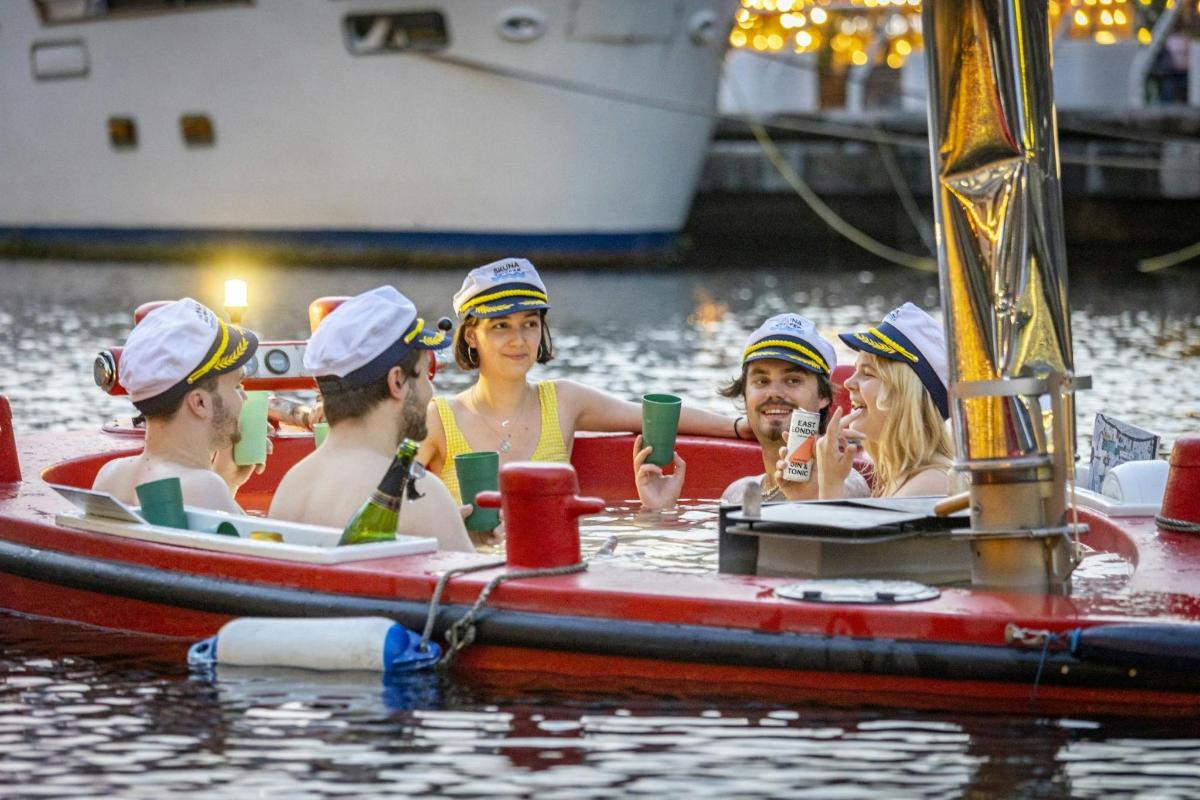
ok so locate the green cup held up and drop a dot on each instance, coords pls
(660, 422)
(320, 431)
(479, 472)
(162, 503)
(252, 447)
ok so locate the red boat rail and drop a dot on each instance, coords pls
(611, 621)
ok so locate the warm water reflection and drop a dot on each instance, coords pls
(90, 714)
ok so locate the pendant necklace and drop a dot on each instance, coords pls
(505, 439)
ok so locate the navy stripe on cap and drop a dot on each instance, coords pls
(911, 355)
(377, 367)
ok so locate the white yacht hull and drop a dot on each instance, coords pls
(588, 138)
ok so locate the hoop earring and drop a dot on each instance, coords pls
(472, 356)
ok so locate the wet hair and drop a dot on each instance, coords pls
(166, 405)
(350, 403)
(467, 357)
(736, 390)
(914, 435)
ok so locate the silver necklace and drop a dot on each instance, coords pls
(505, 439)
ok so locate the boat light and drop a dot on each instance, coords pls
(235, 299)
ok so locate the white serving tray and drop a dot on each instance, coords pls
(312, 544)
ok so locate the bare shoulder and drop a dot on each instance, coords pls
(110, 474)
(288, 497)
(206, 489)
(929, 481)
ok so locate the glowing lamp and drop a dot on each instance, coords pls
(235, 299)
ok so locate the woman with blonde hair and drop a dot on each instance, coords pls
(899, 405)
(503, 333)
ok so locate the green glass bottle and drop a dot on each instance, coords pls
(376, 519)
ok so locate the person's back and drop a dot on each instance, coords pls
(182, 366)
(201, 486)
(371, 360)
(306, 494)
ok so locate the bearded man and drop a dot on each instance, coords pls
(786, 365)
(183, 366)
(371, 357)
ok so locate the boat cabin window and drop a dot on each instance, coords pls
(122, 133)
(197, 130)
(367, 34)
(62, 11)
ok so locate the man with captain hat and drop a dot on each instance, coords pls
(371, 357)
(786, 365)
(182, 366)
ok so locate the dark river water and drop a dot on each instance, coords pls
(93, 713)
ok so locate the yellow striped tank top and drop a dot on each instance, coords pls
(550, 446)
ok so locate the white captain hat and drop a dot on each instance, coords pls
(507, 286)
(910, 336)
(793, 338)
(174, 347)
(366, 336)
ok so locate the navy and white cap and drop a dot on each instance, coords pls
(364, 337)
(791, 337)
(503, 287)
(175, 346)
(909, 335)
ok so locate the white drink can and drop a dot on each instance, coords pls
(802, 443)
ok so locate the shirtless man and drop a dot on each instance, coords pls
(786, 365)
(371, 358)
(182, 366)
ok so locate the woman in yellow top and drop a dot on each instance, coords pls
(503, 332)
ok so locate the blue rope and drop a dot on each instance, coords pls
(1037, 679)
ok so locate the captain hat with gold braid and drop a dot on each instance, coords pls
(176, 346)
(792, 338)
(363, 338)
(910, 336)
(507, 286)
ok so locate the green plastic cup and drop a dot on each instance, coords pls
(252, 447)
(660, 422)
(479, 472)
(320, 431)
(162, 503)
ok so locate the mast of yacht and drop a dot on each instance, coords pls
(1002, 260)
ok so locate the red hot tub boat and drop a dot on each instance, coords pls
(1128, 647)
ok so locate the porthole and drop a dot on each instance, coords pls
(521, 24)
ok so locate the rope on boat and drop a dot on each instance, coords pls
(1027, 638)
(462, 632)
(1176, 525)
(436, 600)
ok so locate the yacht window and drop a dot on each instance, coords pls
(62, 11)
(122, 133)
(389, 33)
(57, 60)
(197, 130)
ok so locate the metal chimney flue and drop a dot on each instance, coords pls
(1002, 260)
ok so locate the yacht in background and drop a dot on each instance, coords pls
(460, 127)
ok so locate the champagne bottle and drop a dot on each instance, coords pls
(376, 519)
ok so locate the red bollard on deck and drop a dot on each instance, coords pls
(541, 506)
(10, 465)
(1181, 499)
